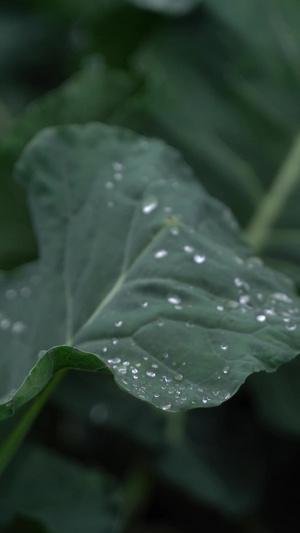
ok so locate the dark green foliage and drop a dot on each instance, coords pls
(219, 82)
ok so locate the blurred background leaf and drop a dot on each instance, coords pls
(173, 7)
(61, 495)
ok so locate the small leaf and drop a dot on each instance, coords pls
(140, 269)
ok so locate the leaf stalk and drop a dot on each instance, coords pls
(271, 206)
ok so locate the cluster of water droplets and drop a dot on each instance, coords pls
(7, 323)
(117, 177)
(260, 307)
(167, 375)
(264, 308)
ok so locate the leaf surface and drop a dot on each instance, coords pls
(140, 270)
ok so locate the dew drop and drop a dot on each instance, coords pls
(261, 318)
(220, 308)
(149, 205)
(199, 259)
(168, 209)
(178, 377)
(188, 249)
(175, 300)
(114, 361)
(238, 282)
(41, 353)
(160, 254)
(18, 327)
(134, 370)
(10, 294)
(122, 370)
(160, 323)
(226, 370)
(118, 176)
(167, 407)
(224, 347)
(117, 166)
(109, 185)
(245, 299)
(119, 324)
(174, 231)
(150, 374)
(166, 355)
(5, 324)
(190, 324)
(291, 327)
(115, 341)
(281, 297)
(104, 349)
(270, 312)
(144, 304)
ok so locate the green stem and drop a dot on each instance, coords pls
(273, 202)
(16, 437)
(175, 427)
(137, 493)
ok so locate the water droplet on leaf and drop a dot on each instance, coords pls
(199, 259)
(160, 254)
(149, 205)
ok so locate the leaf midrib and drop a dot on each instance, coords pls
(118, 284)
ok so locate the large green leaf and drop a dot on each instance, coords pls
(141, 270)
(69, 103)
(61, 495)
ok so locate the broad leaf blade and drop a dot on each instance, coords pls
(143, 269)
